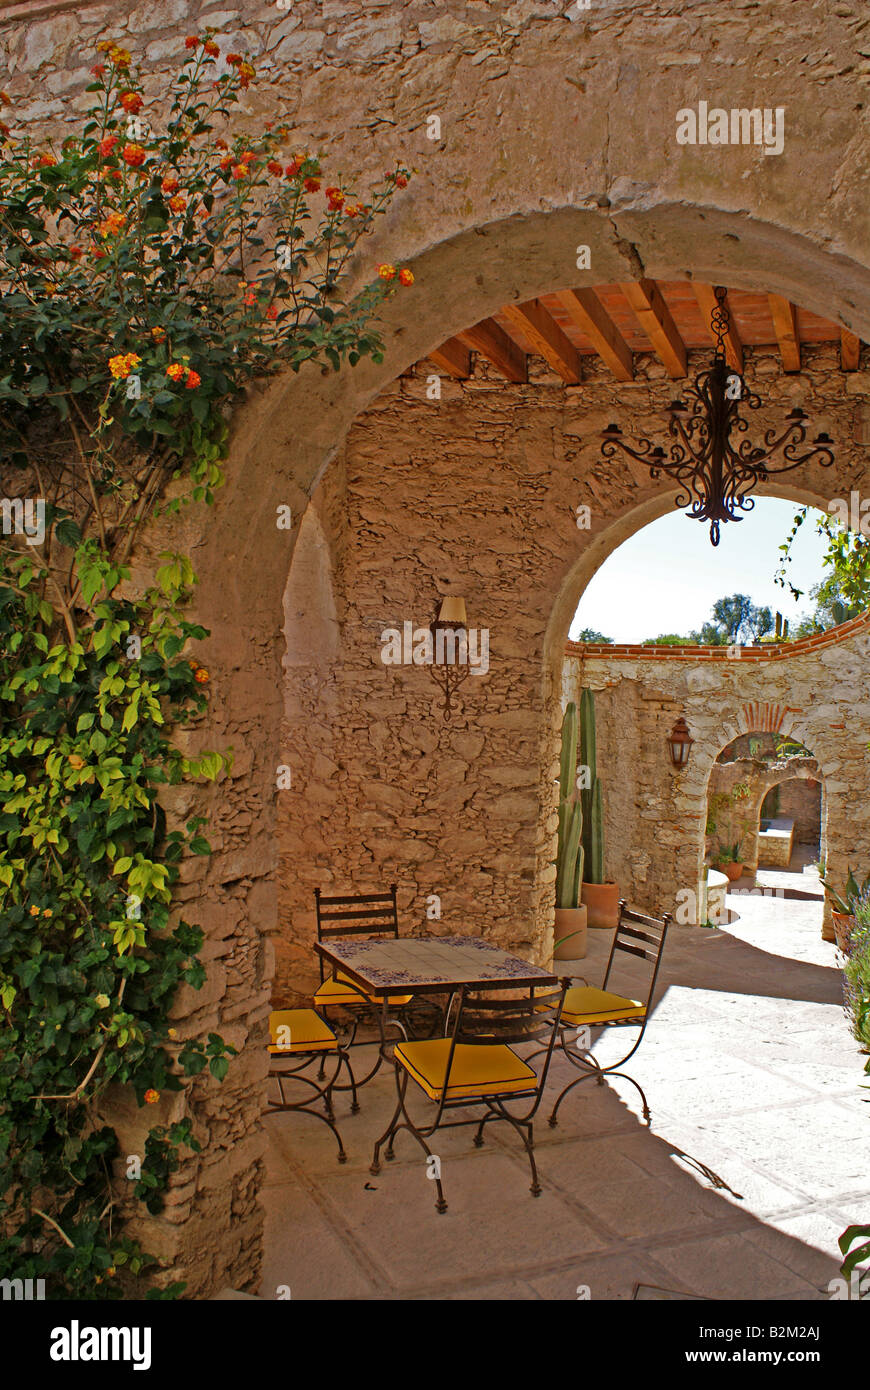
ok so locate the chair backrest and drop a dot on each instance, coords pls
(639, 935)
(356, 914)
(485, 1018)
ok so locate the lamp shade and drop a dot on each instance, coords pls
(452, 611)
(680, 743)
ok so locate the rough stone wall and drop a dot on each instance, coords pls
(802, 803)
(816, 693)
(495, 213)
(474, 494)
(737, 819)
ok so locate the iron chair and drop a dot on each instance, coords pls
(370, 914)
(587, 1007)
(303, 1033)
(476, 1066)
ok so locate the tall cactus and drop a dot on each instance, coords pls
(569, 858)
(593, 815)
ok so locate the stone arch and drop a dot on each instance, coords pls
(477, 230)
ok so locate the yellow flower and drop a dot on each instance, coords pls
(122, 365)
(102, 1001)
(34, 912)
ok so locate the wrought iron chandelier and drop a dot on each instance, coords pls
(717, 476)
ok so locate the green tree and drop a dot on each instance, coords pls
(590, 635)
(740, 619)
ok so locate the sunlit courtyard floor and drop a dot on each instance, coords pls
(755, 1162)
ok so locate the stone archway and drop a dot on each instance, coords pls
(493, 216)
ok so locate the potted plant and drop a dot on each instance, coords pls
(843, 906)
(600, 896)
(728, 861)
(570, 915)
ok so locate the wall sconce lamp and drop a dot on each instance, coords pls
(449, 666)
(680, 743)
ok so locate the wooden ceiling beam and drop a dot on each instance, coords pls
(706, 297)
(490, 339)
(785, 328)
(589, 314)
(656, 321)
(850, 350)
(453, 358)
(546, 337)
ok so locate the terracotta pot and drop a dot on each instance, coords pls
(843, 924)
(602, 900)
(570, 933)
(731, 871)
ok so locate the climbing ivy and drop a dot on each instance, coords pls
(148, 269)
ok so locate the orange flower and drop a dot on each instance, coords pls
(170, 184)
(114, 174)
(131, 102)
(234, 60)
(250, 297)
(274, 167)
(98, 254)
(272, 311)
(211, 48)
(246, 72)
(249, 157)
(151, 1096)
(121, 367)
(312, 185)
(106, 146)
(158, 334)
(113, 223)
(34, 912)
(47, 161)
(75, 252)
(47, 912)
(240, 172)
(351, 209)
(226, 162)
(175, 370)
(104, 45)
(178, 204)
(202, 211)
(202, 676)
(119, 58)
(406, 277)
(221, 145)
(386, 271)
(193, 380)
(191, 41)
(134, 155)
(401, 181)
(293, 168)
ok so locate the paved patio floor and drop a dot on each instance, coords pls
(755, 1162)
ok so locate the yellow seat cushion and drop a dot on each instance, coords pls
(306, 1032)
(584, 1004)
(476, 1071)
(341, 990)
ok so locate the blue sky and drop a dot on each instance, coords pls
(667, 577)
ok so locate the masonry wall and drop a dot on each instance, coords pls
(814, 691)
(553, 133)
(474, 495)
(802, 803)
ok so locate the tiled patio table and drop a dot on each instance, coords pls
(427, 965)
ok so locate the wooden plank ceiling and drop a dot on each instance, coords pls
(615, 322)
